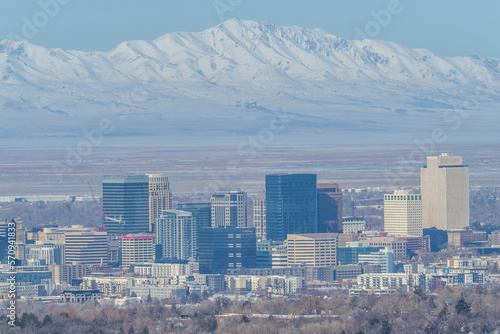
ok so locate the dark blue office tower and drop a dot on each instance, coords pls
(226, 247)
(201, 212)
(126, 203)
(291, 205)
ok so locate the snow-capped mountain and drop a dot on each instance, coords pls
(233, 77)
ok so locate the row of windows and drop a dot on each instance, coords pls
(403, 197)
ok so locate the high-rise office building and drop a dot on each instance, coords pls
(223, 248)
(44, 254)
(4, 228)
(86, 248)
(291, 205)
(329, 208)
(69, 272)
(259, 218)
(229, 208)
(4, 232)
(445, 192)
(160, 197)
(20, 232)
(126, 203)
(176, 233)
(136, 248)
(403, 214)
(316, 249)
(202, 213)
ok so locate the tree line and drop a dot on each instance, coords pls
(447, 310)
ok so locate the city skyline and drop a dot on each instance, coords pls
(233, 166)
(191, 264)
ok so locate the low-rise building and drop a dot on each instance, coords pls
(80, 296)
(160, 292)
(466, 237)
(25, 289)
(494, 239)
(398, 245)
(108, 286)
(384, 281)
(279, 285)
(353, 225)
(350, 253)
(66, 273)
(163, 269)
(383, 258)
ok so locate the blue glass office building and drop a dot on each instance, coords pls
(291, 205)
(202, 213)
(223, 248)
(126, 203)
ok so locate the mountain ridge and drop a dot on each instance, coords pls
(238, 65)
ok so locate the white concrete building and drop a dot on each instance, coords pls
(163, 269)
(445, 193)
(279, 285)
(176, 233)
(383, 281)
(353, 225)
(383, 258)
(137, 248)
(229, 208)
(314, 249)
(259, 218)
(403, 214)
(160, 197)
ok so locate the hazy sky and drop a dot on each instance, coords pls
(447, 27)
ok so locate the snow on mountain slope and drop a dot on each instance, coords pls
(241, 65)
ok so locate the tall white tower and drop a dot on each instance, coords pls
(160, 197)
(445, 193)
(259, 218)
(177, 234)
(229, 208)
(403, 214)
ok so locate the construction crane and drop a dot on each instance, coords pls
(101, 213)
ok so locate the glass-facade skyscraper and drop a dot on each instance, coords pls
(4, 232)
(226, 247)
(202, 215)
(126, 203)
(329, 208)
(202, 212)
(291, 205)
